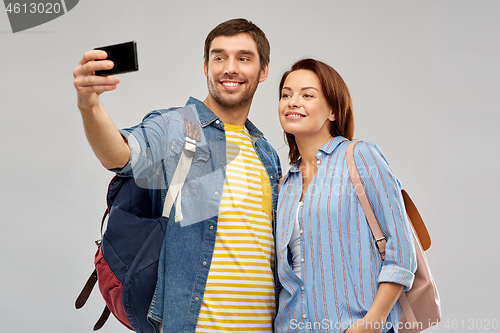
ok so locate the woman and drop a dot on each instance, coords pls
(332, 275)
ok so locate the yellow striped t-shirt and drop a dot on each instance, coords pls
(239, 295)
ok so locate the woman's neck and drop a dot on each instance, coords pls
(308, 147)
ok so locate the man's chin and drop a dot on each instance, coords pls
(234, 102)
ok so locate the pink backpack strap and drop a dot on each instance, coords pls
(363, 199)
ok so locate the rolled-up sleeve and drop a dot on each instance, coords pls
(147, 143)
(384, 193)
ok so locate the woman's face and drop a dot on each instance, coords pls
(303, 109)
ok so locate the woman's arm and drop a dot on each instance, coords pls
(383, 190)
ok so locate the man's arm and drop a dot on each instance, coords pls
(106, 141)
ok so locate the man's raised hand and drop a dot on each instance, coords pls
(87, 84)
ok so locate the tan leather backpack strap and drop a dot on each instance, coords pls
(363, 199)
(416, 221)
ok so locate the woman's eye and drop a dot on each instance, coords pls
(285, 95)
(308, 96)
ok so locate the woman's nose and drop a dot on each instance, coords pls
(294, 102)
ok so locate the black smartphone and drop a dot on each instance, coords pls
(123, 55)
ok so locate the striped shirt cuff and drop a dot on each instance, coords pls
(396, 274)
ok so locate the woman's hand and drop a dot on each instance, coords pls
(365, 325)
(374, 321)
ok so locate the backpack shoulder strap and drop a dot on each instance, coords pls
(192, 132)
(363, 199)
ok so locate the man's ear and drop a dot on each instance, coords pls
(263, 73)
(205, 70)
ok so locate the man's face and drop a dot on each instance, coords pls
(233, 70)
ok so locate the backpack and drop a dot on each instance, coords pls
(420, 305)
(126, 261)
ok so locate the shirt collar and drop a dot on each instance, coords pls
(207, 117)
(327, 149)
(330, 146)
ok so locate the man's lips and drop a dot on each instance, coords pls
(230, 84)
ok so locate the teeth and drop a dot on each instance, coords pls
(294, 115)
(230, 84)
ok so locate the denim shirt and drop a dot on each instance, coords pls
(155, 147)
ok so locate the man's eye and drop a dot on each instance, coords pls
(244, 59)
(218, 58)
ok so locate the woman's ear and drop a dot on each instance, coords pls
(331, 117)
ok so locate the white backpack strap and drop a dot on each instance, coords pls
(193, 134)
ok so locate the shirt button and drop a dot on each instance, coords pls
(302, 288)
(221, 137)
(272, 177)
(204, 263)
(221, 163)
(216, 193)
(304, 316)
(196, 298)
(211, 227)
(318, 162)
(217, 122)
(300, 232)
(302, 260)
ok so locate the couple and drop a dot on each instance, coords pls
(247, 257)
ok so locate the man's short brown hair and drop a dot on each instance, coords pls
(237, 26)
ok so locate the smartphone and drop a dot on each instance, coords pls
(123, 55)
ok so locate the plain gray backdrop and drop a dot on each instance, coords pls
(424, 78)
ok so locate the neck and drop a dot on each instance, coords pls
(234, 116)
(308, 147)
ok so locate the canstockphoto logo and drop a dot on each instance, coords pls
(28, 14)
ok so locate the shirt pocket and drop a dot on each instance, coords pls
(196, 171)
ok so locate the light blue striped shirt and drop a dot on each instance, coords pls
(341, 266)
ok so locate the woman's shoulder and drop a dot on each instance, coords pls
(366, 148)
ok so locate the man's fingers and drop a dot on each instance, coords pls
(90, 67)
(89, 90)
(93, 80)
(93, 55)
(87, 83)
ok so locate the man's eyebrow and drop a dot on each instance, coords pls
(217, 51)
(247, 52)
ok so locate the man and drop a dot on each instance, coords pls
(216, 270)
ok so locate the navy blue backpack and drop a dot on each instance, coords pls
(126, 262)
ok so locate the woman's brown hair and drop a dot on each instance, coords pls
(337, 96)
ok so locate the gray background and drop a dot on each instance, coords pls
(424, 77)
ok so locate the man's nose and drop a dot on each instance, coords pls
(231, 66)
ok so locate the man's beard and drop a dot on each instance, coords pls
(245, 96)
